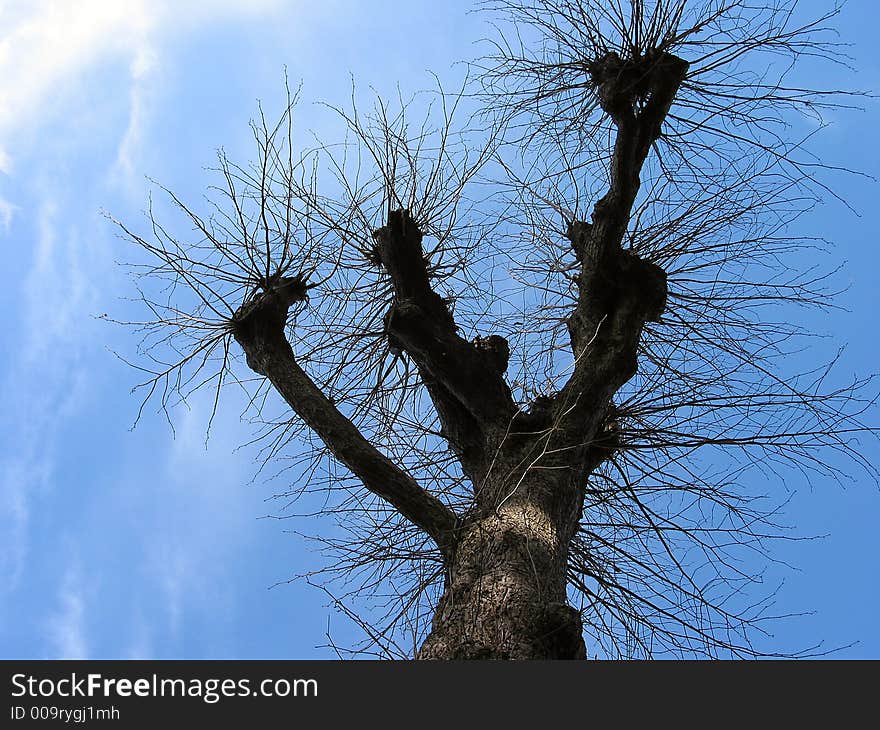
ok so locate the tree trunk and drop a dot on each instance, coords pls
(505, 592)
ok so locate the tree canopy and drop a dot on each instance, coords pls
(599, 233)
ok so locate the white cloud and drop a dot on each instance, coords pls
(205, 482)
(142, 66)
(45, 45)
(14, 473)
(43, 384)
(47, 48)
(141, 646)
(7, 210)
(47, 42)
(67, 629)
(58, 293)
(50, 50)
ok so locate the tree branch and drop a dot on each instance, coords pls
(618, 291)
(258, 326)
(464, 379)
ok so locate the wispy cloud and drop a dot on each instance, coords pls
(213, 512)
(141, 646)
(46, 46)
(66, 626)
(7, 210)
(57, 289)
(16, 472)
(142, 67)
(42, 385)
(49, 51)
(56, 57)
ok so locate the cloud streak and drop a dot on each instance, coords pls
(50, 50)
(47, 45)
(42, 385)
(7, 210)
(67, 630)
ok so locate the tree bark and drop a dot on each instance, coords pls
(505, 589)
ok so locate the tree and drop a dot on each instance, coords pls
(534, 360)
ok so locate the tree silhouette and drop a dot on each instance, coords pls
(535, 361)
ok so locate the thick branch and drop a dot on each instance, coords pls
(618, 291)
(259, 329)
(465, 379)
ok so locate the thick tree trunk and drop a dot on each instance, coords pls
(505, 592)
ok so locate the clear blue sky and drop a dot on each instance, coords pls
(119, 543)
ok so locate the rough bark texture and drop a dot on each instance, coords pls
(506, 559)
(505, 592)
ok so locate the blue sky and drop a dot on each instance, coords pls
(121, 543)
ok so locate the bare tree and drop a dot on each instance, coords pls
(537, 360)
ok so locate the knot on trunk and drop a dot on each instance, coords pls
(261, 319)
(416, 308)
(495, 349)
(621, 83)
(607, 436)
(561, 632)
(470, 650)
(397, 247)
(607, 439)
(409, 319)
(538, 417)
(401, 226)
(615, 278)
(579, 233)
(642, 280)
